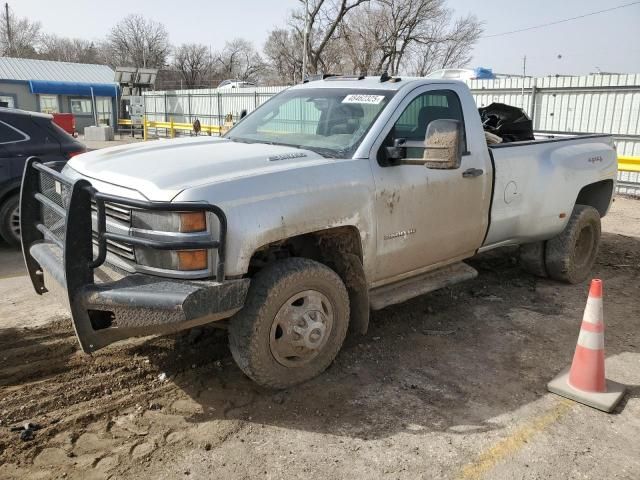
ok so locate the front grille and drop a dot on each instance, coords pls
(116, 214)
(117, 248)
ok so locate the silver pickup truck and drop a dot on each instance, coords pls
(333, 198)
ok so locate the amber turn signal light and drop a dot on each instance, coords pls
(192, 260)
(192, 222)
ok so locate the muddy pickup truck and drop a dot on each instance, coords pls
(333, 198)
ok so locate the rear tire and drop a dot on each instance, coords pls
(532, 259)
(570, 256)
(293, 323)
(10, 220)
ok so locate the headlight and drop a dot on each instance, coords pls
(167, 226)
(181, 222)
(183, 260)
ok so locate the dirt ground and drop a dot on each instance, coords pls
(448, 385)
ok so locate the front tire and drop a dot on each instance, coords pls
(10, 220)
(293, 323)
(570, 256)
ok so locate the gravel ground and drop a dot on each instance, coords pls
(448, 385)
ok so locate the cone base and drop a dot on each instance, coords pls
(602, 401)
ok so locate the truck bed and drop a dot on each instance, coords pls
(536, 183)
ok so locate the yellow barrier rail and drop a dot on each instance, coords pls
(629, 164)
(171, 126)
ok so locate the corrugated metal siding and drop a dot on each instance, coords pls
(27, 69)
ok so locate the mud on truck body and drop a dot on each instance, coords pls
(333, 198)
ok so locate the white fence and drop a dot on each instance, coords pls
(210, 106)
(587, 104)
(600, 103)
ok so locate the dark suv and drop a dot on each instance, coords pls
(23, 134)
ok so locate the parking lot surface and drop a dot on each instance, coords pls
(448, 385)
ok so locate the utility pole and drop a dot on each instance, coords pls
(6, 17)
(210, 67)
(524, 74)
(306, 36)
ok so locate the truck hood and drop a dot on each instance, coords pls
(160, 170)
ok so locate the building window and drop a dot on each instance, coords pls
(103, 109)
(49, 104)
(81, 106)
(7, 101)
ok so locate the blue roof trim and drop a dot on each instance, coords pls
(73, 88)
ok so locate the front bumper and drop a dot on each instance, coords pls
(133, 305)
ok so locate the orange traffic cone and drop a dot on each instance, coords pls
(585, 381)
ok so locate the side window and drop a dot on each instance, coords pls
(49, 103)
(7, 101)
(81, 106)
(432, 105)
(9, 134)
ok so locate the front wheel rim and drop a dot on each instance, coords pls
(301, 328)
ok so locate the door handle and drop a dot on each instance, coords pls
(472, 172)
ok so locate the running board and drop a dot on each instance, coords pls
(403, 290)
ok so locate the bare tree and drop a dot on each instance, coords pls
(19, 37)
(360, 39)
(64, 49)
(324, 17)
(380, 37)
(139, 42)
(239, 60)
(451, 49)
(373, 36)
(194, 63)
(284, 55)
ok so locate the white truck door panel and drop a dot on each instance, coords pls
(427, 217)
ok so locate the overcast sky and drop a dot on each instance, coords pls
(608, 42)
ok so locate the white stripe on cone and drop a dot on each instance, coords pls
(593, 312)
(591, 340)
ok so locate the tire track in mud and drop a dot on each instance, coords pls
(46, 379)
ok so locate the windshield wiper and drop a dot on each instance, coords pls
(328, 152)
(241, 140)
(325, 152)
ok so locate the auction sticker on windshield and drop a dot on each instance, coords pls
(359, 98)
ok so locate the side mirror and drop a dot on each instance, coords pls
(443, 144)
(243, 113)
(398, 151)
(441, 148)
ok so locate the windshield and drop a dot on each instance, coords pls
(329, 121)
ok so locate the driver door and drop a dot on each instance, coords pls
(428, 217)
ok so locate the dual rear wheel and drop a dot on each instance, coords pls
(568, 257)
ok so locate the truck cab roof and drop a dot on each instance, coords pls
(372, 83)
